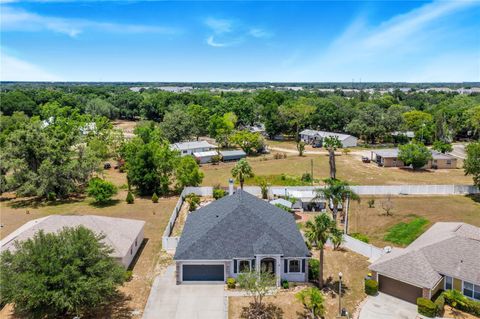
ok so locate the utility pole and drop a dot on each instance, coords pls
(311, 169)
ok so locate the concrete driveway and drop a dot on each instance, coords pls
(384, 306)
(187, 301)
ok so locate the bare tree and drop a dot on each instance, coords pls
(387, 205)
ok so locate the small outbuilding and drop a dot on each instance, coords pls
(189, 148)
(124, 236)
(314, 136)
(233, 155)
(283, 202)
(204, 157)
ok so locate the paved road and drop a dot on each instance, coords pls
(187, 301)
(459, 151)
(387, 307)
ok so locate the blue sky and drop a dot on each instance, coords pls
(287, 41)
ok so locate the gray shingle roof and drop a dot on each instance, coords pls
(239, 225)
(451, 249)
(323, 134)
(192, 145)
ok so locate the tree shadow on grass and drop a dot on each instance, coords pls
(474, 197)
(109, 203)
(117, 308)
(35, 202)
(331, 287)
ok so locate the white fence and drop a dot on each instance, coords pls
(170, 243)
(358, 246)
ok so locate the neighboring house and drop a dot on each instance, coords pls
(447, 256)
(311, 136)
(204, 157)
(408, 134)
(389, 158)
(233, 155)
(124, 236)
(237, 233)
(257, 128)
(188, 148)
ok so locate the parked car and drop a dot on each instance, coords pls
(365, 159)
(317, 144)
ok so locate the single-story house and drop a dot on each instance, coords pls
(237, 233)
(408, 134)
(205, 157)
(389, 158)
(188, 148)
(281, 201)
(311, 136)
(232, 155)
(124, 236)
(447, 256)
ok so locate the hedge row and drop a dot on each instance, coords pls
(426, 307)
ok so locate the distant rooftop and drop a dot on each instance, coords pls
(192, 145)
(340, 136)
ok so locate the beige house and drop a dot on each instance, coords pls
(447, 256)
(389, 158)
(124, 236)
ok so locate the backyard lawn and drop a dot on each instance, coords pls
(411, 216)
(354, 269)
(349, 168)
(150, 261)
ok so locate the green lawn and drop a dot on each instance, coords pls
(405, 232)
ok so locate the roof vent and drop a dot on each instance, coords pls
(387, 249)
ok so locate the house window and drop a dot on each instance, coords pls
(448, 283)
(449, 162)
(184, 151)
(471, 290)
(244, 266)
(294, 265)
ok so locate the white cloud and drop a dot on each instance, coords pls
(219, 26)
(211, 42)
(15, 69)
(259, 33)
(20, 20)
(228, 32)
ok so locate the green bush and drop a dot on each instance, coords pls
(371, 203)
(193, 201)
(155, 198)
(426, 307)
(306, 177)
(128, 275)
(361, 237)
(51, 196)
(285, 284)
(219, 193)
(313, 265)
(231, 283)
(439, 303)
(371, 287)
(101, 190)
(130, 199)
(457, 300)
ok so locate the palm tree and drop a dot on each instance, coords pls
(312, 300)
(336, 192)
(331, 144)
(241, 171)
(318, 233)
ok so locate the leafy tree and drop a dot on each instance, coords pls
(101, 190)
(16, 101)
(177, 125)
(442, 147)
(130, 198)
(100, 107)
(241, 171)
(199, 119)
(471, 165)
(421, 123)
(318, 232)
(187, 173)
(221, 127)
(300, 148)
(263, 188)
(66, 274)
(336, 192)
(313, 302)
(128, 104)
(297, 114)
(474, 115)
(257, 284)
(332, 113)
(415, 154)
(249, 142)
(331, 144)
(370, 122)
(154, 198)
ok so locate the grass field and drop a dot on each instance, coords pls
(349, 168)
(404, 233)
(376, 225)
(354, 268)
(150, 259)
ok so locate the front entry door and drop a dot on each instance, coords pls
(268, 265)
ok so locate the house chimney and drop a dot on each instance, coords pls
(230, 186)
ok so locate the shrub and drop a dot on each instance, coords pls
(306, 177)
(231, 283)
(193, 201)
(371, 287)
(426, 307)
(313, 265)
(155, 198)
(219, 193)
(130, 199)
(215, 159)
(101, 190)
(128, 275)
(457, 300)
(285, 284)
(361, 237)
(440, 304)
(371, 203)
(51, 196)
